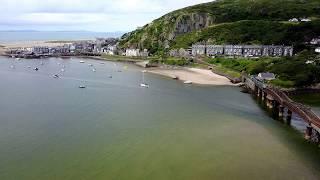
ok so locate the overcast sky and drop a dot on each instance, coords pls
(90, 15)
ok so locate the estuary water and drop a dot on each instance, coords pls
(113, 129)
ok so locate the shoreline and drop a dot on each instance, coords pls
(195, 75)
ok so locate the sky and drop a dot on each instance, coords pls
(84, 15)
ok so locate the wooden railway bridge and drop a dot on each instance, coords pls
(279, 102)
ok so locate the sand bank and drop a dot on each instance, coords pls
(28, 44)
(197, 76)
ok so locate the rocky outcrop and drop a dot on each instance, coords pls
(170, 29)
(192, 22)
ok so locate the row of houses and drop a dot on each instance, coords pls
(241, 50)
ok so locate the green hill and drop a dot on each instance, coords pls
(230, 21)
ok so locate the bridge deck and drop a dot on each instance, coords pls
(304, 112)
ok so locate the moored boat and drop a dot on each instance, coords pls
(187, 82)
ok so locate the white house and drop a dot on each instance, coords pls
(305, 20)
(133, 52)
(144, 53)
(266, 76)
(315, 41)
(110, 50)
(317, 50)
(294, 20)
(310, 62)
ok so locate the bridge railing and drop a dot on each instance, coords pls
(306, 113)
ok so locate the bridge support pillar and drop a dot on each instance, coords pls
(308, 133)
(275, 109)
(289, 117)
(281, 111)
(260, 92)
(264, 99)
(269, 103)
(256, 89)
(318, 138)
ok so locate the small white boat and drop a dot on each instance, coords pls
(94, 70)
(187, 82)
(82, 86)
(144, 71)
(36, 69)
(144, 85)
(175, 77)
(81, 61)
(18, 59)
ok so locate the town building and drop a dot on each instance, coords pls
(214, 50)
(40, 50)
(315, 41)
(132, 52)
(288, 51)
(181, 52)
(266, 76)
(110, 50)
(317, 50)
(252, 51)
(144, 53)
(137, 53)
(305, 20)
(198, 49)
(239, 50)
(294, 20)
(233, 50)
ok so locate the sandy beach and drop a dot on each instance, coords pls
(197, 76)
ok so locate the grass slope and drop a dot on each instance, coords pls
(258, 17)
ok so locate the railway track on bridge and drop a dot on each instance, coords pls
(304, 112)
(278, 100)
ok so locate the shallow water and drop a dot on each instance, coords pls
(113, 129)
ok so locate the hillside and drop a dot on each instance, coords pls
(230, 21)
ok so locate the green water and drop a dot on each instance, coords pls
(113, 129)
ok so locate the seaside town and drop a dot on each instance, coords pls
(109, 46)
(160, 89)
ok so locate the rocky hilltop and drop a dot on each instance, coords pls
(230, 21)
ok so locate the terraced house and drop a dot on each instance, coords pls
(241, 50)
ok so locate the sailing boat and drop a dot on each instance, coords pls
(143, 84)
